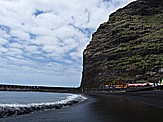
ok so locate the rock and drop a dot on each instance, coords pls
(128, 45)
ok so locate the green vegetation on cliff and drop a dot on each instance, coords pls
(129, 45)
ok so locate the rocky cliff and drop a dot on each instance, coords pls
(126, 48)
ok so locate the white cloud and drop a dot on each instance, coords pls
(41, 42)
(31, 48)
(14, 51)
(15, 45)
(20, 34)
(2, 49)
(3, 41)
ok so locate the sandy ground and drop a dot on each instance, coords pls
(154, 98)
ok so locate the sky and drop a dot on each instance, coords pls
(42, 41)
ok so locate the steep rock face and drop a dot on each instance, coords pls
(127, 47)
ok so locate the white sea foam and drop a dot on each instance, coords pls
(17, 109)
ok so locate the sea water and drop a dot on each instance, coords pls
(16, 103)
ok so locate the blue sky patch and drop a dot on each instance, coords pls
(5, 28)
(32, 36)
(38, 12)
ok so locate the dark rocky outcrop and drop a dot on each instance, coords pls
(127, 48)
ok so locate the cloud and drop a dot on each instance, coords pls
(41, 42)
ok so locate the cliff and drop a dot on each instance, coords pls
(126, 48)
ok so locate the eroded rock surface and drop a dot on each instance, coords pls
(126, 48)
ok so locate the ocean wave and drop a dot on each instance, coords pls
(18, 109)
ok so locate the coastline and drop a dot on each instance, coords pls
(102, 108)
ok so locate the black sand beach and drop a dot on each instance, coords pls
(101, 108)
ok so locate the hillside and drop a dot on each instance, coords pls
(126, 48)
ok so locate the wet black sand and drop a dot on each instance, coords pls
(154, 98)
(98, 108)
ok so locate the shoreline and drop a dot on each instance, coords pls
(102, 108)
